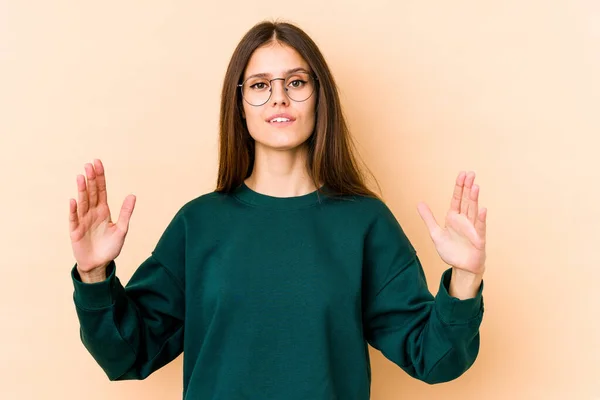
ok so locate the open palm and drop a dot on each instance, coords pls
(461, 242)
(95, 239)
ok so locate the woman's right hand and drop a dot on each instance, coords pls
(95, 239)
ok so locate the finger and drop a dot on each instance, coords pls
(101, 182)
(125, 214)
(428, 218)
(481, 223)
(458, 189)
(82, 195)
(91, 181)
(473, 204)
(73, 218)
(464, 202)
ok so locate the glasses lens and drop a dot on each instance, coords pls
(256, 91)
(298, 86)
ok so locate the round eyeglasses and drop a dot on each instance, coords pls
(257, 90)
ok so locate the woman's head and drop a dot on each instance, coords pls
(278, 97)
(278, 69)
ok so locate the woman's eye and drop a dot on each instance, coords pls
(259, 85)
(297, 83)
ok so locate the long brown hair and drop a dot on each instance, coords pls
(331, 158)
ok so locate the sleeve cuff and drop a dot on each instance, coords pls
(95, 295)
(456, 311)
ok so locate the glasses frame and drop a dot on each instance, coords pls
(241, 86)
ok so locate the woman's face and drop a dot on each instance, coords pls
(271, 61)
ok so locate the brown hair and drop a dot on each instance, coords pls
(330, 158)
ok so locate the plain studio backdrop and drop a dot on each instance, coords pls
(509, 89)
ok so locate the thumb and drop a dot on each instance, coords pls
(126, 211)
(428, 218)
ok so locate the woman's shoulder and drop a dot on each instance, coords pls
(207, 200)
(359, 201)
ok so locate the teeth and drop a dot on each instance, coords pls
(280, 120)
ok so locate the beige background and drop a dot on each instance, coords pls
(510, 89)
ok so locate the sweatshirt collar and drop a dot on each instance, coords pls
(245, 194)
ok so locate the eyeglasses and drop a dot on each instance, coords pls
(299, 86)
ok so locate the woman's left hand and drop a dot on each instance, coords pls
(461, 243)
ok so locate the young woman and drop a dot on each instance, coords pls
(273, 284)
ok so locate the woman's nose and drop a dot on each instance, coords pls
(278, 92)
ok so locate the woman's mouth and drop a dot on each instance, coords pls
(281, 122)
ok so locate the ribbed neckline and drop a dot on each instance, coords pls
(253, 198)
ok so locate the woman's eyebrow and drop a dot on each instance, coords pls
(267, 75)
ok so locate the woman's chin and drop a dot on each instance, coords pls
(280, 144)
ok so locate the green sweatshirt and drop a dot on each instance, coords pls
(277, 298)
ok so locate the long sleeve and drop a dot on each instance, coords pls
(433, 339)
(132, 331)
